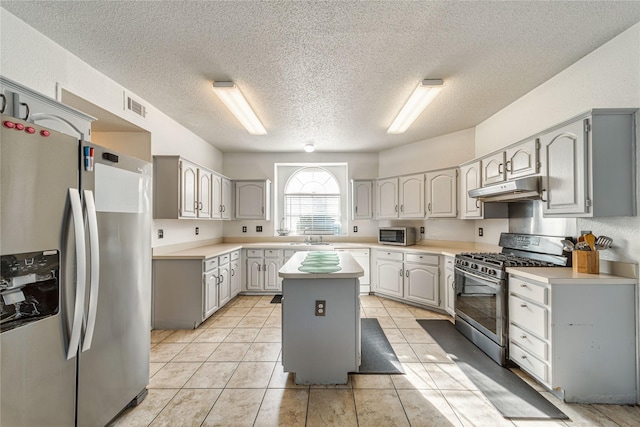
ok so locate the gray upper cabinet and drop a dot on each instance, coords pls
(184, 190)
(589, 165)
(411, 196)
(361, 199)
(387, 198)
(253, 199)
(516, 161)
(442, 193)
(493, 168)
(522, 159)
(470, 180)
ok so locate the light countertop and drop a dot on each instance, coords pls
(350, 268)
(209, 251)
(566, 276)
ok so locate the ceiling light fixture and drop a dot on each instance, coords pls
(309, 147)
(229, 93)
(426, 91)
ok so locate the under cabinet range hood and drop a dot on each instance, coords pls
(510, 191)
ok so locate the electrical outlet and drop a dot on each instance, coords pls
(421, 230)
(197, 230)
(480, 232)
(321, 307)
(258, 228)
(160, 233)
(244, 228)
(355, 228)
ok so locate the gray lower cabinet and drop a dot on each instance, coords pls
(187, 291)
(449, 285)
(414, 277)
(576, 339)
(261, 270)
(235, 272)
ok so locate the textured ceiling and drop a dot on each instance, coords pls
(334, 73)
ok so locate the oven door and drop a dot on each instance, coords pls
(481, 302)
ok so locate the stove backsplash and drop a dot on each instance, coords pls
(526, 217)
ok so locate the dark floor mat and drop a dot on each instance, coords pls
(277, 299)
(514, 398)
(377, 355)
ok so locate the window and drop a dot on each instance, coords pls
(312, 203)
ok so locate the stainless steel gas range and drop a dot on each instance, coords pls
(482, 285)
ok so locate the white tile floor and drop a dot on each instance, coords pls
(227, 373)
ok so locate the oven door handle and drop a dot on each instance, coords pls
(495, 282)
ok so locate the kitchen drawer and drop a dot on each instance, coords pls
(255, 253)
(529, 316)
(235, 255)
(421, 258)
(210, 263)
(394, 256)
(528, 290)
(529, 363)
(223, 259)
(288, 253)
(272, 253)
(529, 342)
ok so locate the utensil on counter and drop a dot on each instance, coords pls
(603, 243)
(590, 238)
(567, 245)
(582, 246)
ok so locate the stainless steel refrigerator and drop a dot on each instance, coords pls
(75, 246)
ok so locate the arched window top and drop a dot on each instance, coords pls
(312, 180)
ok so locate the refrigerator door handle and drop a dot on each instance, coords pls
(94, 252)
(81, 272)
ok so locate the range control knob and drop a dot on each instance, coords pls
(30, 130)
(8, 124)
(45, 133)
(19, 126)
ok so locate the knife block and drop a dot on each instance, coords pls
(586, 262)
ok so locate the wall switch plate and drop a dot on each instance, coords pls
(197, 230)
(321, 307)
(259, 228)
(480, 232)
(421, 230)
(244, 228)
(160, 233)
(355, 228)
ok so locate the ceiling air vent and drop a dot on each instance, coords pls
(134, 106)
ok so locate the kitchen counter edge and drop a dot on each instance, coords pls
(566, 276)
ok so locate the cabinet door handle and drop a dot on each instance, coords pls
(401, 208)
(401, 272)
(195, 205)
(542, 194)
(200, 204)
(507, 166)
(224, 208)
(356, 209)
(259, 266)
(262, 209)
(27, 111)
(4, 102)
(396, 208)
(500, 168)
(429, 207)
(233, 272)
(523, 357)
(523, 285)
(453, 285)
(523, 305)
(523, 337)
(264, 267)
(477, 204)
(407, 273)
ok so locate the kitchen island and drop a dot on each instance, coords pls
(321, 320)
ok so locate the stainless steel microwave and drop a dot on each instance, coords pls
(400, 236)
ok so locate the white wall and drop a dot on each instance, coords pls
(261, 166)
(33, 60)
(430, 154)
(607, 77)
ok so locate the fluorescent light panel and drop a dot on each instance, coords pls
(229, 93)
(426, 91)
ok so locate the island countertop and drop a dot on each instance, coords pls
(350, 268)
